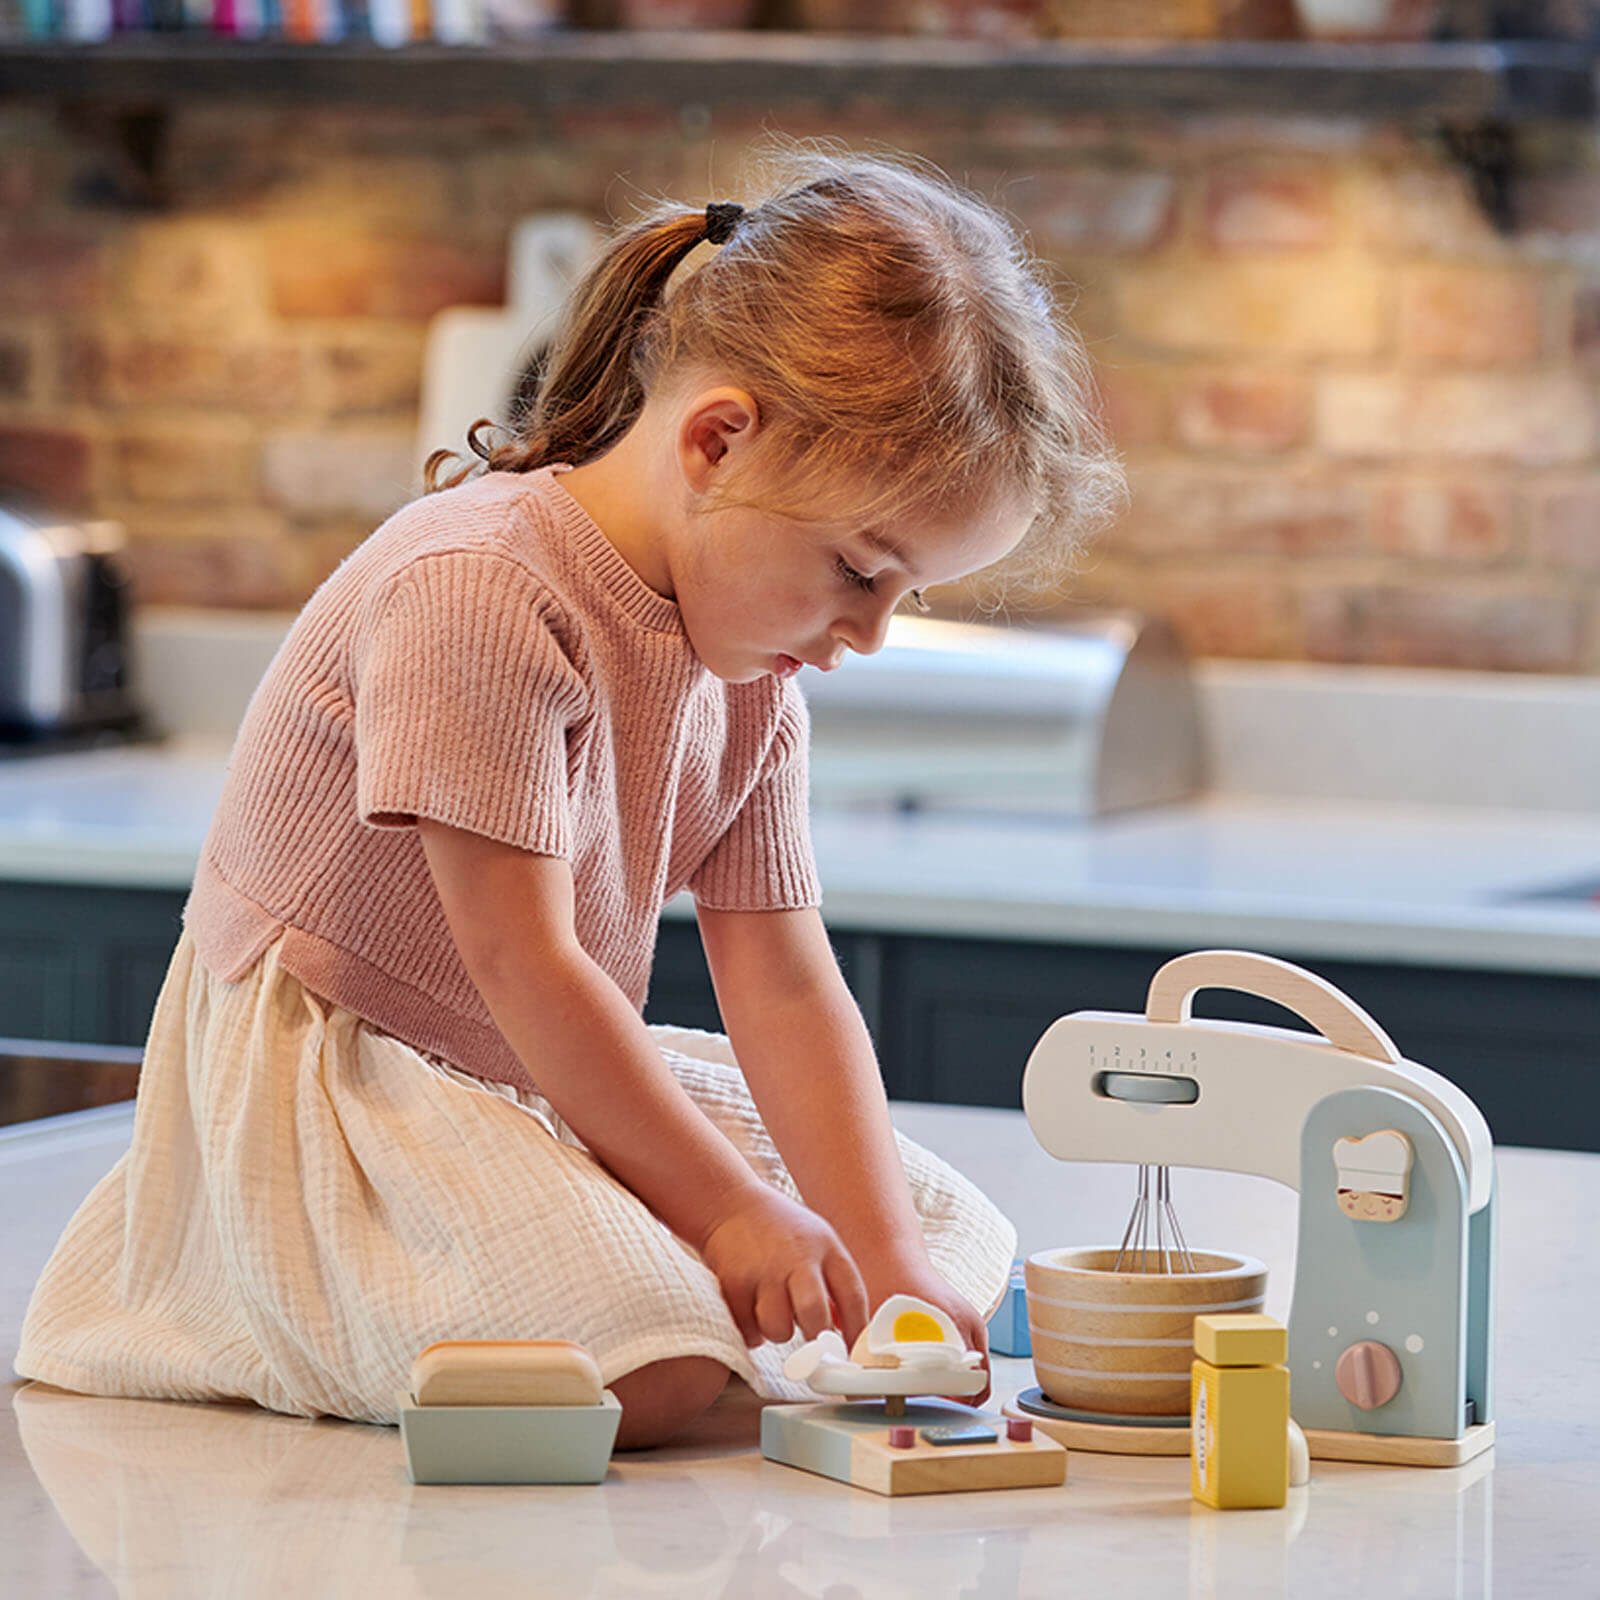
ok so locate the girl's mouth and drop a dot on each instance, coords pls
(786, 667)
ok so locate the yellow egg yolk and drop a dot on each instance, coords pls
(913, 1327)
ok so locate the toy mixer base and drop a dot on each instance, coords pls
(1102, 1434)
(1149, 1436)
(1397, 1450)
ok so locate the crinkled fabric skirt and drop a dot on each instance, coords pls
(307, 1202)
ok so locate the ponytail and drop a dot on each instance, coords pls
(591, 390)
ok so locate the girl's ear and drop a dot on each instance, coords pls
(716, 429)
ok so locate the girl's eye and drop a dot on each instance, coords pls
(850, 575)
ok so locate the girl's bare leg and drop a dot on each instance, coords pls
(660, 1400)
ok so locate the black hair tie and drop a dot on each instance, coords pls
(722, 217)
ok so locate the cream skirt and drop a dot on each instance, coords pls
(307, 1202)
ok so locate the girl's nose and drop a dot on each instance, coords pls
(865, 631)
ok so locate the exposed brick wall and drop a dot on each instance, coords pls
(1359, 424)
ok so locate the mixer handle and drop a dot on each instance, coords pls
(1329, 1010)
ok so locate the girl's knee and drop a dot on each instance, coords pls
(663, 1398)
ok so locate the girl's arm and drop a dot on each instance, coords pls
(805, 1052)
(511, 916)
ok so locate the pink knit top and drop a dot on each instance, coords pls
(488, 659)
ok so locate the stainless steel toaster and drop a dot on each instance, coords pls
(64, 627)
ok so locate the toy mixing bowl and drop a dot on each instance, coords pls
(1122, 1342)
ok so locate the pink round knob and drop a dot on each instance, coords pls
(1019, 1429)
(1368, 1374)
(902, 1438)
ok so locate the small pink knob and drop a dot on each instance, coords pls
(902, 1438)
(1019, 1428)
(1368, 1374)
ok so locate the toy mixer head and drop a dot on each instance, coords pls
(1166, 1089)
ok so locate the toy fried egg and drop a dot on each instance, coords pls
(906, 1331)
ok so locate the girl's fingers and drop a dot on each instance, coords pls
(809, 1297)
(744, 1319)
(977, 1337)
(976, 1334)
(774, 1315)
(849, 1294)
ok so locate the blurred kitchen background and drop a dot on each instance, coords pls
(1328, 689)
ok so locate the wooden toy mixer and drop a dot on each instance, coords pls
(1391, 1322)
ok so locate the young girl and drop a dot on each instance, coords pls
(398, 1087)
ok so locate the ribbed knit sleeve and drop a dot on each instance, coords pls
(464, 698)
(763, 861)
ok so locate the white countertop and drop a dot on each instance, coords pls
(1352, 878)
(132, 817)
(171, 1499)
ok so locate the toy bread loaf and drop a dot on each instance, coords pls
(506, 1372)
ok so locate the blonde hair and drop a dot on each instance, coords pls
(896, 335)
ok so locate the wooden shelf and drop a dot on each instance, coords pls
(1449, 82)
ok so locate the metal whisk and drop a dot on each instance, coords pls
(1153, 1241)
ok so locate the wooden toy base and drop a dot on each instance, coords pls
(849, 1442)
(1393, 1449)
(1325, 1444)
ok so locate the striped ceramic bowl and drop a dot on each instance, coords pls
(1122, 1342)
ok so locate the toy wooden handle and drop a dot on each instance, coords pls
(1329, 1010)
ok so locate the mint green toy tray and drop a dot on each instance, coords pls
(509, 1444)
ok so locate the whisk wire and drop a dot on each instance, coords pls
(1153, 1241)
(1133, 1234)
(1185, 1256)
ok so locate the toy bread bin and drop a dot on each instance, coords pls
(507, 1411)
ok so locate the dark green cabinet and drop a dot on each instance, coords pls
(82, 962)
(953, 1019)
(37, 985)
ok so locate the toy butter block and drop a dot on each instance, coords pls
(923, 1451)
(1008, 1327)
(507, 1411)
(509, 1444)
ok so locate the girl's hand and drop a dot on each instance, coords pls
(780, 1265)
(911, 1272)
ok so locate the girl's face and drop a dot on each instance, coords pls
(765, 594)
(761, 593)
